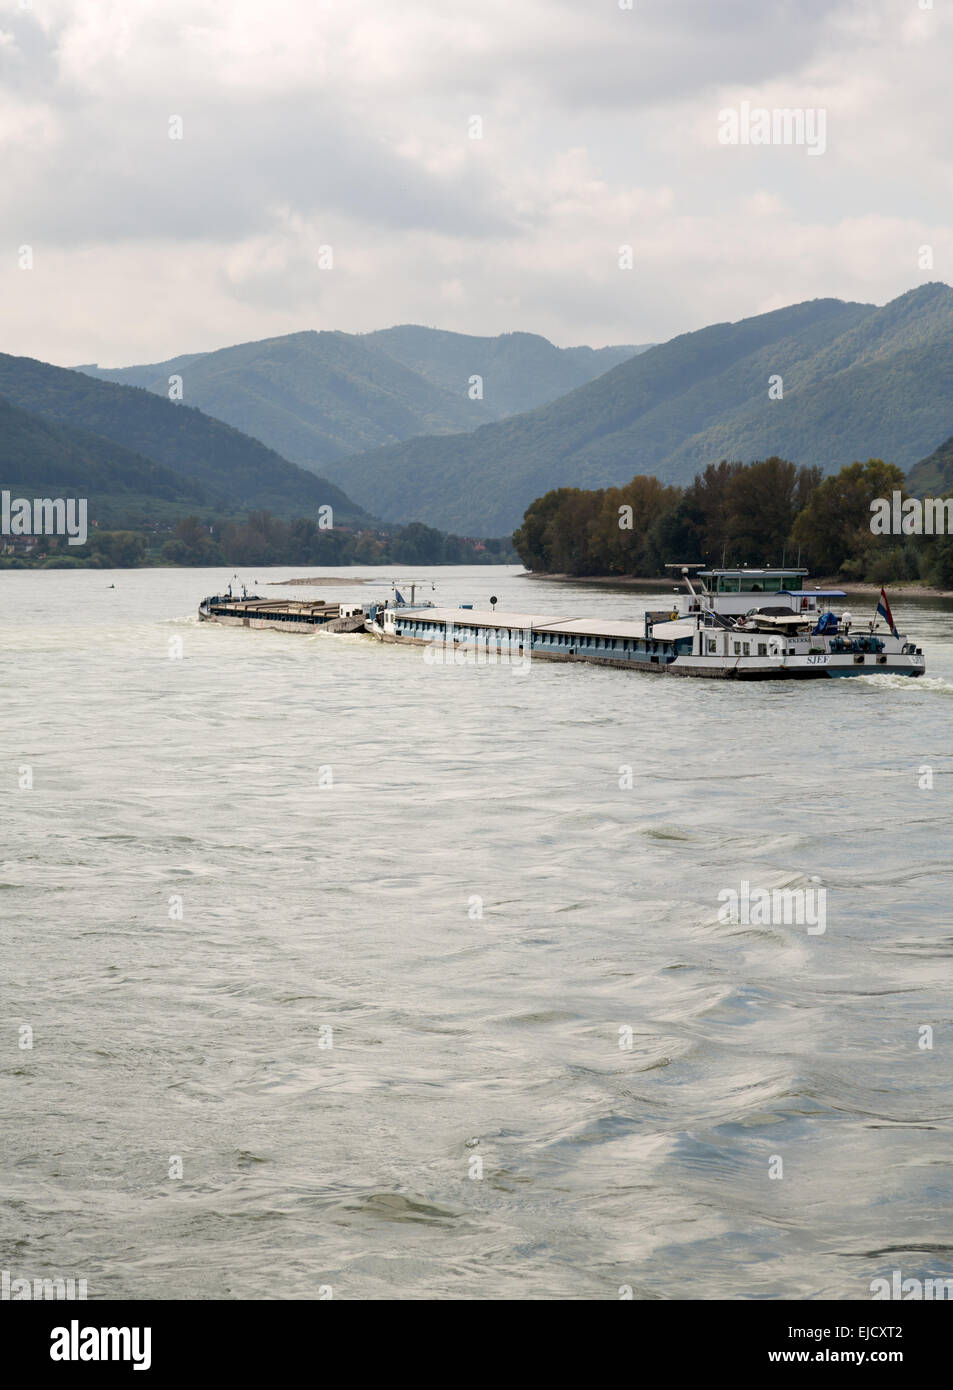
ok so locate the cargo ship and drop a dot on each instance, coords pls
(731, 624)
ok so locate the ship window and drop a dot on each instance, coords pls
(762, 648)
(737, 649)
(747, 648)
(711, 644)
(728, 584)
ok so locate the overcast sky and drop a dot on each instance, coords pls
(347, 123)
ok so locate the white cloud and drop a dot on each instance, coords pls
(308, 124)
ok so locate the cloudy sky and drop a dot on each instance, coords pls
(349, 124)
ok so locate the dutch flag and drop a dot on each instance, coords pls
(883, 611)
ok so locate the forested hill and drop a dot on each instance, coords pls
(933, 475)
(518, 371)
(235, 472)
(39, 458)
(315, 397)
(856, 381)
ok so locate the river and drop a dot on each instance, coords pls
(328, 971)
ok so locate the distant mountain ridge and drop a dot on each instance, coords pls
(857, 381)
(518, 371)
(319, 396)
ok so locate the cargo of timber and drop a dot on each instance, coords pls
(732, 624)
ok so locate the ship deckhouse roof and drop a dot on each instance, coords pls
(754, 573)
(592, 627)
(473, 617)
(539, 622)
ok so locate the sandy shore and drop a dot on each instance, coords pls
(315, 579)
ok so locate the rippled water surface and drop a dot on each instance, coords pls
(477, 907)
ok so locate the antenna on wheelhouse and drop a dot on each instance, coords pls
(686, 574)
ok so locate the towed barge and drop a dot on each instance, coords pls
(742, 624)
(286, 615)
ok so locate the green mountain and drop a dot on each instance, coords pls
(316, 397)
(933, 476)
(41, 459)
(858, 381)
(234, 472)
(519, 371)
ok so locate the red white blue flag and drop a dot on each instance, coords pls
(883, 610)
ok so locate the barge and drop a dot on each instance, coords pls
(737, 624)
(286, 615)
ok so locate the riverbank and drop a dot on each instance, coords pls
(851, 586)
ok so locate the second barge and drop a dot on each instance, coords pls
(286, 615)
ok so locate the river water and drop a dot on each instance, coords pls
(418, 973)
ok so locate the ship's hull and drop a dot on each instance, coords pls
(285, 624)
(813, 666)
